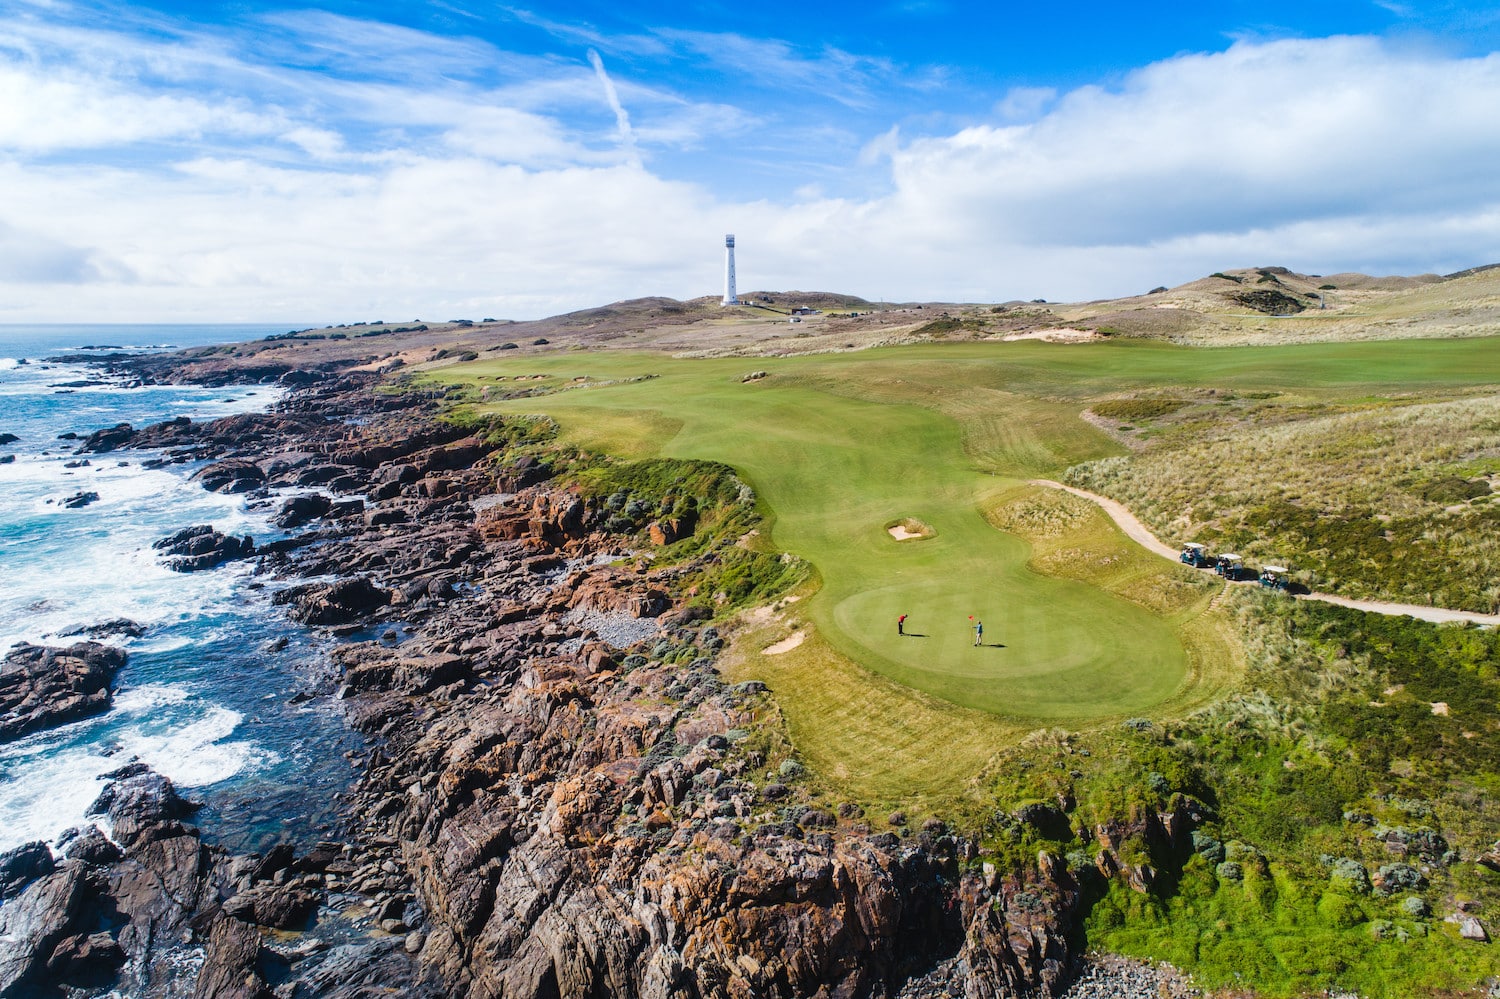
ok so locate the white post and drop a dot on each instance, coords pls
(729, 296)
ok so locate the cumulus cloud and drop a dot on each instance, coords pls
(191, 181)
(1262, 135)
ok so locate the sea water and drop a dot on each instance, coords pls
(205, 696)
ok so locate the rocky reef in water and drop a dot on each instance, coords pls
(564, 797)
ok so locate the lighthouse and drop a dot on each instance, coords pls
(729, 296)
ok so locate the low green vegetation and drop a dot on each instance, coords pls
(1339, 815)
(1133, 410)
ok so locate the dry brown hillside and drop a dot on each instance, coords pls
(1243, 306)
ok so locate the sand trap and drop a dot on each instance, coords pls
(787, 644)
(1063, 334)
(909, 530)
(1440, 708)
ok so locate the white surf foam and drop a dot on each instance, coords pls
(49, 779)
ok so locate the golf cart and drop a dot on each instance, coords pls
(1273, 577)
(1230, 567)
(1195, 555)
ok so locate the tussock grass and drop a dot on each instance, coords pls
(1390, 502)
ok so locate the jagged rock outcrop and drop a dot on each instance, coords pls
(201, 547)
(35, 922)
(333, 603)
(41, 687)
(231, 475)
(23, 865)
(102, 441)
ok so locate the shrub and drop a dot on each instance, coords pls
(1135, 410)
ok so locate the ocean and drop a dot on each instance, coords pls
(206, 696)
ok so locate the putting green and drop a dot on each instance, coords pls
(839, 446)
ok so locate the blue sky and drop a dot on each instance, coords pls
(255, 161)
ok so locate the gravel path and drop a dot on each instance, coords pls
(1107, 976)
(1137, 532)
(620, 630)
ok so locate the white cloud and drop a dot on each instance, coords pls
(283, 194)
(1024, 103)
(612, 97)
(1259, 135)
(42, 112)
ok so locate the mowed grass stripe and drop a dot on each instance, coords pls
(835, 469)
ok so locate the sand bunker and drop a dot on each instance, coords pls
(909, 530)
(787, 644)
(1063, 334)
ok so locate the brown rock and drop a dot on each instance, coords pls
(41, 687)
(229, 964)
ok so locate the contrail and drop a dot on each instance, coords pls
(622, 117)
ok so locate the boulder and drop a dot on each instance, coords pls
(137, 803)
(121, 626)
(229, 963)
(8, 438)
(202, 547)
(281, 907)
(34, 923)
(333, 603)
(23, 865)
(41, 687)
(101, 441)
(90, 846)
(232, 475)
(86, 961)
(298, 510)
(81, 499)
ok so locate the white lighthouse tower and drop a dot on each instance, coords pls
(729, 296)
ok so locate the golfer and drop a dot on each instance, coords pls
(978, 633)
(901, 625)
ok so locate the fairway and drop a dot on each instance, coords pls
(839, 446)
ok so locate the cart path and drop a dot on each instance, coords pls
(1138, 532)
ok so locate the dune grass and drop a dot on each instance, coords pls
(1385, 501)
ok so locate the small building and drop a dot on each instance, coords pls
(803, 310)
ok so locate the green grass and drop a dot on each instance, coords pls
(837, 446)
(832, 471)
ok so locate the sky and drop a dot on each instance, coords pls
(355, 161)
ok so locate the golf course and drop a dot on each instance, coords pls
(839, 447)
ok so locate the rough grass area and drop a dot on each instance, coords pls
(1389, 502)
(1132, 410)
(1341, 821)
(1356, 810)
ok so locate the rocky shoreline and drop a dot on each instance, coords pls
(563, 795)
